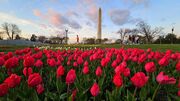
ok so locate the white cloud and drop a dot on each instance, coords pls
(119, 17)
(28, 27)
(138, 2)
(122, 16)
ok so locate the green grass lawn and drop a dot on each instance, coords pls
(155, 47)
(10, 48)
(162, 47)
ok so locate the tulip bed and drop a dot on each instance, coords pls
(96, 74)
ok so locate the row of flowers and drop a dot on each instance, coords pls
(64, 48)
(98, 74)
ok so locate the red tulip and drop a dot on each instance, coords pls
(34, 79)
(71, 76)
(20, 57)
(11, 63)
(119, 69)
(148, 50)
(60, 71)
(174, 57)
(124, 64)
(178, 93)
(117, 80)
(163, 62)
(150, 55)
(98, 71)
(91, 58)
(142, 58)
(10, 54)
(126, 72)
(36, 49)
(165, 79)
(13, 80)
(28, 62)
(114, 64)
(150, 67)
(178, 66)
(179, 84)
(139, 79)
(79, 60)
(6, 57)
(1, 61)
(86, 63)
(58, 63)
(2, 53)
(3, 89)
(29, 70)
(104, 62)
(85, 70)
(60, 58)
(75, 64)
(51, 62)
(157, 55)
(69, 63)
(135, 59)
(74, 94)
(38, 55)
(9, 72)
(40, 89)
(38, 64)
(126, 57)
(94, 89)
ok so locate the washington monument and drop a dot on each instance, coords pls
(99, 25)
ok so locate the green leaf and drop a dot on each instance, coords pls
(35, 97)
(70, 98)
(130, 96)
(109, 95)
(45, 99)
(149, 99)
(50, 95)
(143, 94)
(101, 81)
(63, 96)
(169, 99)
(176, 98)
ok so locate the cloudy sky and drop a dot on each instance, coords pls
(52, 17)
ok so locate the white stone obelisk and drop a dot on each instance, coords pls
(99, 24)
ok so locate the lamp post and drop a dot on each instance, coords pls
(172, 34)
(66, 30)
(160, 38)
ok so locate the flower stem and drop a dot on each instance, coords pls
(135, 92)
(116, 91)
(155, 92)
(27, 72)
(94, 99)
(68, 89)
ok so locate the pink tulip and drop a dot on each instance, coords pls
(165, 79)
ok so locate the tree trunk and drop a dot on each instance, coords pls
(8, 34)
(12, 37)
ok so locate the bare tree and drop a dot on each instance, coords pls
(62, 39)
(33, 37)
(6, 28)
(123, 33)
(42, 38)
(14, 30)
(134, 31)
(17, 37)
(10, 29)
(1, 35)
(148, 32)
